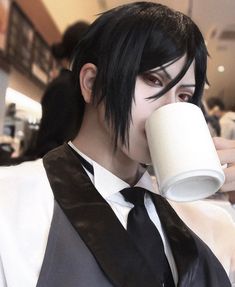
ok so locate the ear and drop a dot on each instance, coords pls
(87, 77)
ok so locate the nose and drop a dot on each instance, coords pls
(169, 97)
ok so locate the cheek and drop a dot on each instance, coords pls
(138, 145)
(142, 108)
(104, 128)
(140, 114)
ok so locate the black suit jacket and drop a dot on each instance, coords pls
(99, 240)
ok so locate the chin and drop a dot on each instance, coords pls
(138, 153)
(144, 158)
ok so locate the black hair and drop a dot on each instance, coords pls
(129, 40)
(72, 35)
(213, 102)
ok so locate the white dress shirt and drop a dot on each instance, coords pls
(26, 210)
(109, 185)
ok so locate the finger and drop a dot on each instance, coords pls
(228, 187)
(229, 179)
(226, 155)
(222, 143)
(231, 196)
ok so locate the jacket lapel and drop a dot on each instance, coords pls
(95, 222)
(196, 264)
(181, 240)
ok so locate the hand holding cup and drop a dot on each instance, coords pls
(226, 152)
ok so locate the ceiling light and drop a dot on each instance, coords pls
(220, 69)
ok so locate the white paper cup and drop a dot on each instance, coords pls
(183, 154)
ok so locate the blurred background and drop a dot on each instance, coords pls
(29, 28)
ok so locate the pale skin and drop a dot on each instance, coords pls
(94, 139)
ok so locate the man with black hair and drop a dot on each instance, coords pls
(86, 215)
(61, 107)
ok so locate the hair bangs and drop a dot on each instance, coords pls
(186, 40)
(129, 40)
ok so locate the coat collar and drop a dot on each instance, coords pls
(181, 240)
(94, 220)
(96, 223)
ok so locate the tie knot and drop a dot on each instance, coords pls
(134, 195)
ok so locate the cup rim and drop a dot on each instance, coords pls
(216, 176)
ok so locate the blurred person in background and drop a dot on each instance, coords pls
(61, 105)
(65, 220)
(212, 122)
(226, 118)
(62, 108)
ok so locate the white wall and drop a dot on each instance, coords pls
(22, 84)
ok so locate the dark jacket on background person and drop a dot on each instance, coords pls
(61, 114)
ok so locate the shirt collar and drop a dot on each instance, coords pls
(109, 184)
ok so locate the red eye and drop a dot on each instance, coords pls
(152, 80)
(185, 97)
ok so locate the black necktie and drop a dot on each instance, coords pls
(142, 230)
(146, 237)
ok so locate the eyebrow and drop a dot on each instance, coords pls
(163, 70)
(170, 78)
